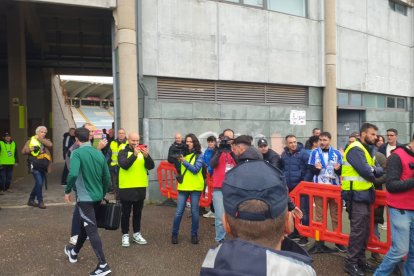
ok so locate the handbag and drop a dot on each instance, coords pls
(108, 215)
(180, 177)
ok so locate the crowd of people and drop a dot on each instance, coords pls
(250, 194)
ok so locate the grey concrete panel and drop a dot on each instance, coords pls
(378, 18)
(253, 128)
(156, 130)
(206, 110)
(313, 113)
(353, 14)
(377, 78)
(258, 112)
(150, 37)
(156, 148)
(279, 113)
(177, 110)
(400, 70)
(315, 96)
(151, 86)
(387, 116)
(154, 110)
(230, 111)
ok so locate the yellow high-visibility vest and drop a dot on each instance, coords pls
(191, 182)
(136, 176)
(350, 174)
(33, 143)
(115, 149)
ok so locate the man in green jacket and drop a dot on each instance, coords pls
(90, 173)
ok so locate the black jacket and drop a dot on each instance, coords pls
(273, 158)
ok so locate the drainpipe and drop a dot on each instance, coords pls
(329, 94)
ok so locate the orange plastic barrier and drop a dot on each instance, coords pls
(166, 173)
(320, 231)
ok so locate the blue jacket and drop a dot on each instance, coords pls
(207, 157)
(295, 166)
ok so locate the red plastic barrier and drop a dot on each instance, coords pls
(166, 173)
(320, 231)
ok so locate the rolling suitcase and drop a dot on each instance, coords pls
(108, 215)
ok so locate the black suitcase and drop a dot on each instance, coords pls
(108, 215)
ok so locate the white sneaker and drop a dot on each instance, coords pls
(188, 204)
(125, 240)
(209, 215)
(137, 237)
(73, 240)
(384, 226)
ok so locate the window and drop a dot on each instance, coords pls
(256, 3)
(399, 8)
(356, 99)
(395, 102)
(295, 7)
(343, 99)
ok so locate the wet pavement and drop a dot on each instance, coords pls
(32, 240)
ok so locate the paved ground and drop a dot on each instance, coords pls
(32, 240)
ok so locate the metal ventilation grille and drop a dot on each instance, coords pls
(185, 90)
(171, 89)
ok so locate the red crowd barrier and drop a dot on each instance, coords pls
(319, 230)
(166, 173)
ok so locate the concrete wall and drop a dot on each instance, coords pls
(374, 48)
(215, 40)
(205, 119)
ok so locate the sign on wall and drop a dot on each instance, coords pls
(298, 117)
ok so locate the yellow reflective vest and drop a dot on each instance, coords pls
(33, 143)
(115, 149)
(350, 174)
(136, 175)
(7, 153)
(191, 182)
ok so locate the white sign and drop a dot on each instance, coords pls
(298, 117)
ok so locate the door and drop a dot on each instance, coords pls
(348, 121)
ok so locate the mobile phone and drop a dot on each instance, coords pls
(141, 146)
(104, 136)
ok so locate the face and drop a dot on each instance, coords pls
(133, 140)
(7, 139)
(178, 138)
(237, 149)
(189, 143)
(379, 142)
(291, 143)
(211, 144)
(370, 136)
(316, 132)
(324, 142)
(42, 133)
(111, 132)
(391, 137)
(91, 131)
(351, 140)
(121, 134)
(263, 149)
(72, 132)
(229, 133)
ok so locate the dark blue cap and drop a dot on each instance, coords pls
(255, 180)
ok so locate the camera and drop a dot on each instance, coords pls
(225, 143)
(36, 148)
(104, 136)
(178, 150)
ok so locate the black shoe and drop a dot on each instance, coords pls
(73, 258)
(353, 270)
(174, 239)
(32, 203)
(101, 270)
(367, 267)
(341, 248)
(194, 239)
(303, 241)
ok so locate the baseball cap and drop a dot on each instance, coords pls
(262, 142)
(243, 139)
(6, 134)
(255, 180)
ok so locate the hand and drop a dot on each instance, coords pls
(318, 166)
(289, 223)
(337, 166)
(136, 151)
(297, 213)
(145, 152)
(68, 198)
(102, 144)
(181, 158)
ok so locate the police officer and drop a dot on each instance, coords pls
(112, 156)
(359, 170)
(8, 159)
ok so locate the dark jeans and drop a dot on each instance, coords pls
(37, 191)
(114, 170)
(136, 207)
(6, 175)
(182, 199)
(64, 175)
(304, 206)
(75, 222)
(358, 238)
(89, 229)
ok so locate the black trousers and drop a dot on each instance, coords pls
(358, 238)
(136, 207)
(89, 229)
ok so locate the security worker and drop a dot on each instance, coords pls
(359, 170)
(37, 148)
(134, 162)
(8, 159)
(112, 156)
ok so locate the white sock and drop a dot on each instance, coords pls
(102, 265)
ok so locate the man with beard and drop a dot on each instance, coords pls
(359, 170)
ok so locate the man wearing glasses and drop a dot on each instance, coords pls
(392, 143)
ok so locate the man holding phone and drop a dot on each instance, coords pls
(134, 162)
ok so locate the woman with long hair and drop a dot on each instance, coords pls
(191, 186)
